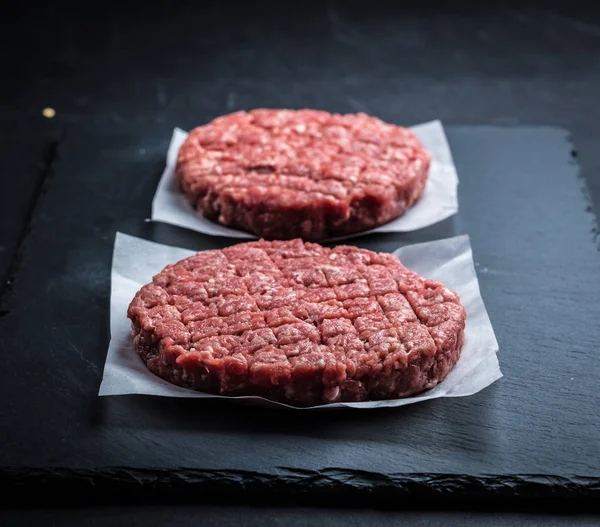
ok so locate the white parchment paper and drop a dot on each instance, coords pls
(439, 200)
(450, 261)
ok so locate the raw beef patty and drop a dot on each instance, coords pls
(297, 323)
(283, 174)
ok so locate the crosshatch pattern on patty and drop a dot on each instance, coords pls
(328, 174)
(262, 314)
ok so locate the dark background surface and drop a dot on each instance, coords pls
(122, 79)
(176, 516)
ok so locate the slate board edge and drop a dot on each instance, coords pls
(127, 484)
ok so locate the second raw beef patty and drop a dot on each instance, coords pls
(283, 174)
(298, 323)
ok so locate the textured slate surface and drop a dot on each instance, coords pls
(535, 432)
(28, 151)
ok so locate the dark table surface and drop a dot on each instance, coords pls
(121, 80)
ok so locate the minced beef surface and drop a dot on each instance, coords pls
(297, 322)
(282, 174)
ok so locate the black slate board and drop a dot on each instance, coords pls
(536, 432)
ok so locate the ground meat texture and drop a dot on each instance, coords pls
(307, 325)
(284, 174)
